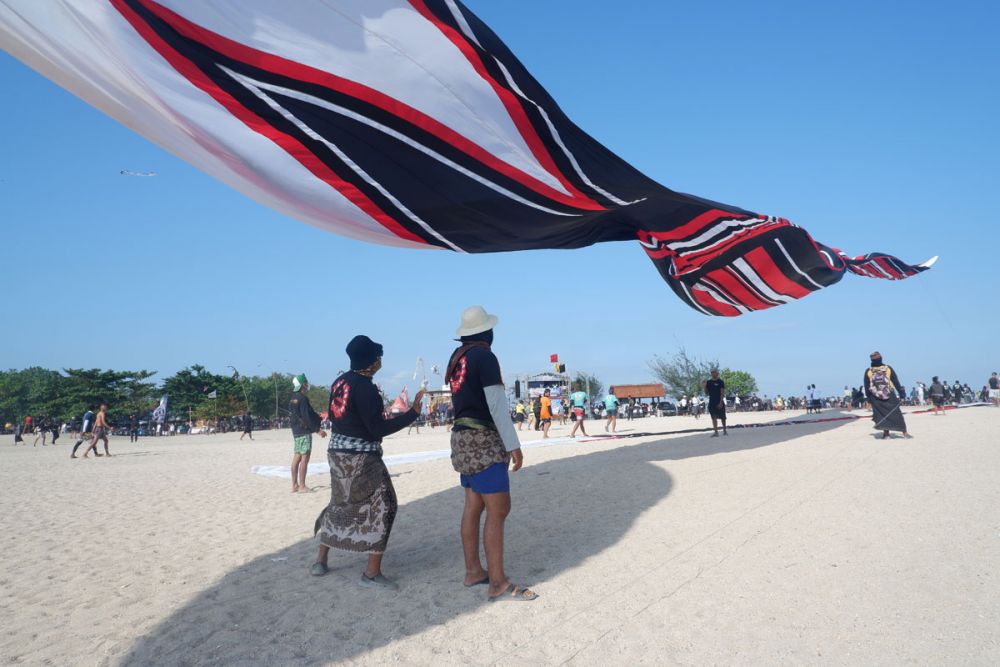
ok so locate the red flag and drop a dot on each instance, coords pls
(553, 358)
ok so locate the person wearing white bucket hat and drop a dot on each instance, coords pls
(483, 443)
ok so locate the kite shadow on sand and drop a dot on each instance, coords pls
(270, 611)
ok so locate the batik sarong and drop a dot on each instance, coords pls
(362, 504)
(474, 450)
(887, 415)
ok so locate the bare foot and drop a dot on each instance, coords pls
(73, 456)
(295, 488)
(476, 578)
(98, 455)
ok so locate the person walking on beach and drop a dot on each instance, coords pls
(247, 422)
(579, 401)
(536, 413)
(101, 429)
(611, 410)
(133, 428)
(304, 422)
(885, 393)
(937, 394)
(363, 502)
(18, 429)
(994, 389)
(545, 412)
(519, 414)
(41, 432)
(86, 431)
(483, 445)
(715, 389)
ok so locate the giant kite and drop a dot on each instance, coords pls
(408, 123)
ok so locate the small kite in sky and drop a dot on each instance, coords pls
(128, 172)
(408, 123)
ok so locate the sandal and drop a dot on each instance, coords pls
(319, 569)
(518, 593)
(378, 581)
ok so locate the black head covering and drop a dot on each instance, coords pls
(483, 337)
(363, 352)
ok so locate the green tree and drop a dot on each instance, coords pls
(587, 383)
(319, 398)
(740, 383)
(683, 374)
(33, 391)
(123, 391)
(189, 388)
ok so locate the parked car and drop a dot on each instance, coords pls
(666, 408)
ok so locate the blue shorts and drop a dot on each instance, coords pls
(494, 479)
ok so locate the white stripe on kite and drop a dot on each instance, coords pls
(748, 272)
(692, 300)
(329, 106)
(462, 23)
(467, 29)
(796, 266)
(558, 139)
(718, 297)
(712, 231)
(343, 156)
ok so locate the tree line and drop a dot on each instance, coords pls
(683, 375)
(193, 392)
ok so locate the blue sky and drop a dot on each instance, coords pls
(873, 125)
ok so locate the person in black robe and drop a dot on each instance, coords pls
(885, 393)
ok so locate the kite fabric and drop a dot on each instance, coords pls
(407, 123)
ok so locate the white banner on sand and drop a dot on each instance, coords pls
(412, 457)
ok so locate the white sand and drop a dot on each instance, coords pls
(786, 545)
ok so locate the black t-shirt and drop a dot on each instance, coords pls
(714, 389)
(304, 419)
(88, 422)
(994, 383)
(357, 411)
(476, 369)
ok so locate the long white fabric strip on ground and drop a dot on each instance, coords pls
(413, 457)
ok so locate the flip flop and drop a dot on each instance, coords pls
(319, 569)
(518, 593)
(484, 580)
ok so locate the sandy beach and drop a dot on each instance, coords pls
(803, 544)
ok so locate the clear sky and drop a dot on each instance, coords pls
(874, 125)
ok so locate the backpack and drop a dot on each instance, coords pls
(878, 380)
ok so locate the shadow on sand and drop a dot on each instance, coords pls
(270, 611)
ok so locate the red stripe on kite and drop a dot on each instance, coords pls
(761, 262)
(708, 301)
(290, 144)
(510, 102)
(738, 290)
(301, 72)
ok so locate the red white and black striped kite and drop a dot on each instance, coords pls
(403, 122)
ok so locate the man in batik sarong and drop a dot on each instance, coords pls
(885, 393)
(483, 444)
(363, 503)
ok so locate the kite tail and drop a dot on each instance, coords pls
(728, 264)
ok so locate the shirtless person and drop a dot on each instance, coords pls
(101, 429)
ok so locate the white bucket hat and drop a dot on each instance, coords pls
(475, 320)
